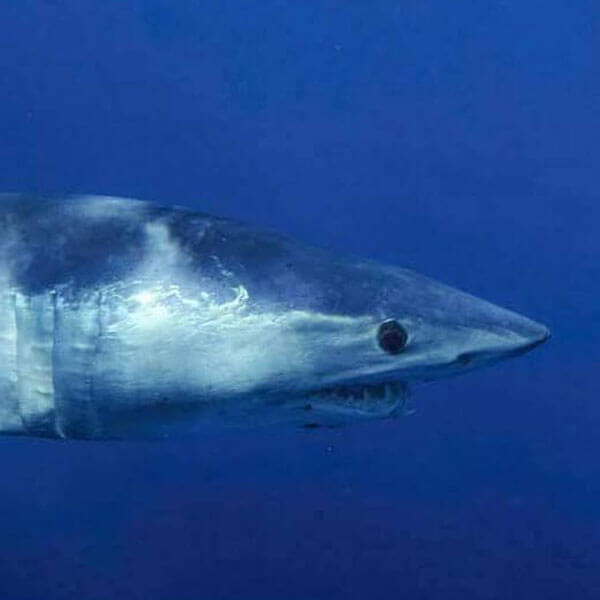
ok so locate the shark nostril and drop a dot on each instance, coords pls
(464, 359)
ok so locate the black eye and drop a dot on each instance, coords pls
(392, 337)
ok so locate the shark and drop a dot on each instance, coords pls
(124, 319)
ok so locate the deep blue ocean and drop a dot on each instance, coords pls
(461, 139)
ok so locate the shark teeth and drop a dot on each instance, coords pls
(362, 395)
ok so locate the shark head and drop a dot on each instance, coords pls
(332, 334)
(379, 328)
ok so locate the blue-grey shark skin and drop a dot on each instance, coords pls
(122, 319)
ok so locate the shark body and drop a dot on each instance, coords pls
(123, 319)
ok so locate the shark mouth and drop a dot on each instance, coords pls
(367, 400)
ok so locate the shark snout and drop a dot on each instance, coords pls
(507, 344)
(533, 336)
(539, 336)
(449, 331)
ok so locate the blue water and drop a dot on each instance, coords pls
(459, 138)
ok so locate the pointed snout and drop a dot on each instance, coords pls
(539, 335)
(521, 333)
(532, 336)
(450, 331)
(513, 341)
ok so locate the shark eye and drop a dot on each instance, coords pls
(392, 337)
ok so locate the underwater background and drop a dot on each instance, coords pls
(461, 139)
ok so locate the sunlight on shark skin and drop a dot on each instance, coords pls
(122, 319)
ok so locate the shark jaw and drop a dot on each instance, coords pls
(370, 398)
(370, 401)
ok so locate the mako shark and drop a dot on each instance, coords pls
(123, 319)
